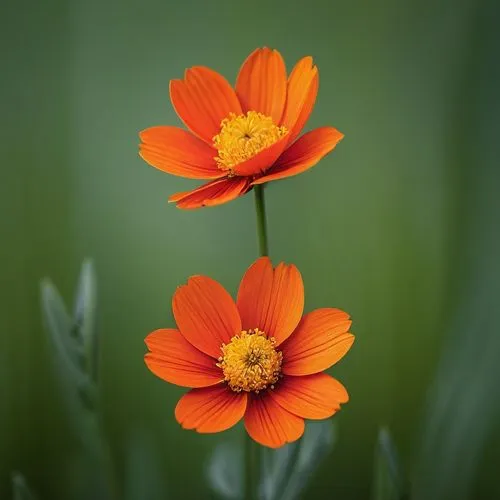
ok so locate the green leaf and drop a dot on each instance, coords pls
(388, 477)
(68, 350)
(70, 357)
(464, 403)
(84, 315)
(20, 489)
(287, 471)
(463, 406)
(225, 471)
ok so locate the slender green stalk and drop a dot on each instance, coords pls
(252, 449)
(252, 472)
(260, 211)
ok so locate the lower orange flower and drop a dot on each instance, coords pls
(257, 359)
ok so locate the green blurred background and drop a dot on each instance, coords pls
(398, 226)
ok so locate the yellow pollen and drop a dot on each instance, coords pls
(243, 136)
(250, 362)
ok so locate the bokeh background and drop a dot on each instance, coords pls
(398, 226)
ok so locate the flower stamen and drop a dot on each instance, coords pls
(243, 136)
(250, 362)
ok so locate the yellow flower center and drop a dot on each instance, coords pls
(250, 362)
(243, 136)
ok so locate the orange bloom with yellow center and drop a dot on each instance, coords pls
(257, 359)
(243, 136)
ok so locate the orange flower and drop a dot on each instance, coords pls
(239, 137)
(258, 358)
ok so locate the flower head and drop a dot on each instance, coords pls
(257, 358)
(239, 137)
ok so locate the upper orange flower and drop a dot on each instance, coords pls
(239, 137)
(257, 358)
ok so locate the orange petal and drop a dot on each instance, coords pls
(320, 340)
(178, 152)
(263, 160)
(261, 83)
(211, 194)
(271, 300)
(202, 100)
(206, 314)
(313, 396)
(270, 424)
(175, 360)
(303, 154)
(301, 96)
(211, 409)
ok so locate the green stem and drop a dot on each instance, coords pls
(252, 472)
(260, 210)
(252, 449)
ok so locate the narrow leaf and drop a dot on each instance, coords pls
(59, 325)
(388, 477)
(225, 471)
(286, 471)
(84, 314)
(20, 489)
